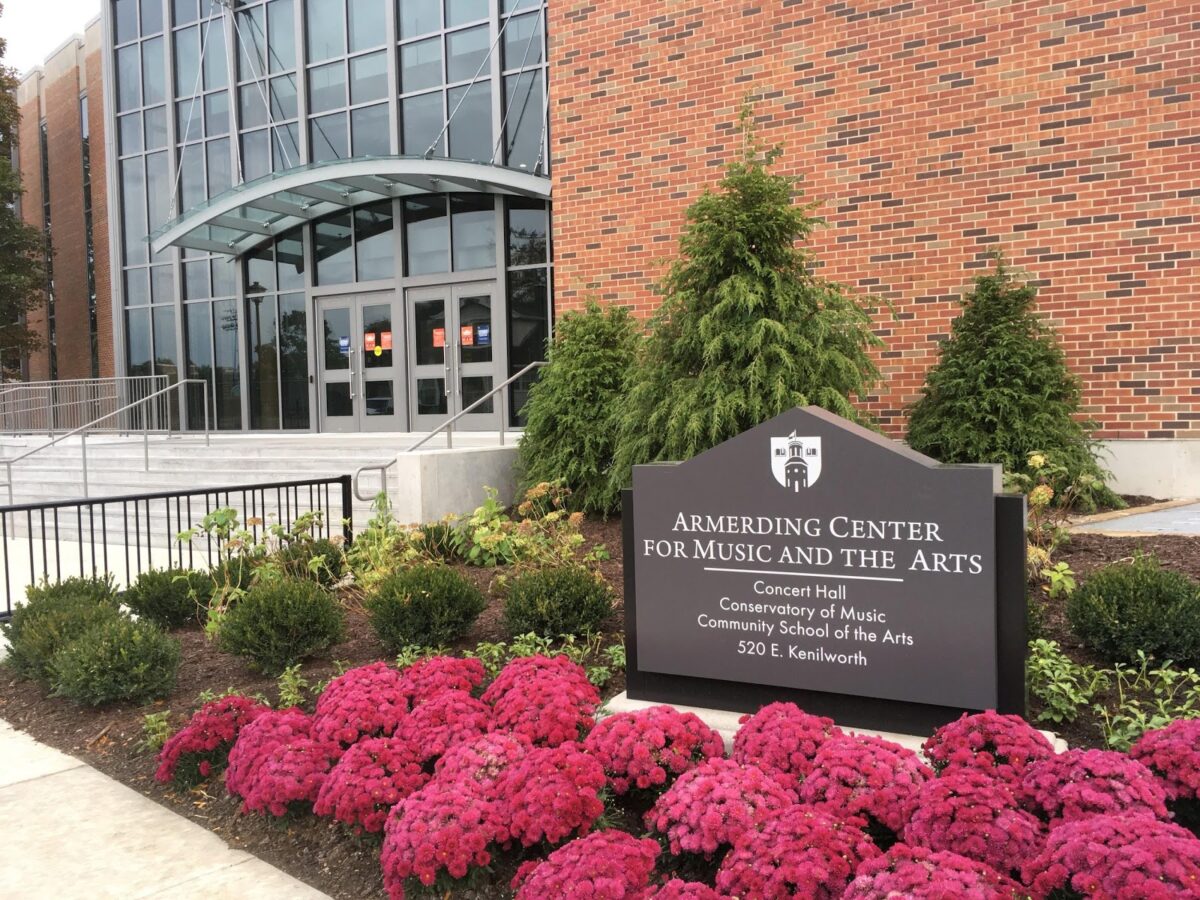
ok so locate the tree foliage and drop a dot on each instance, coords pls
(1002, 391)
(22, 273)
(571, 412)
(746, 330)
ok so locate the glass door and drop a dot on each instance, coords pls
(360, 386)
(454, 357)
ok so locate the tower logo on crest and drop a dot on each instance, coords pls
(796, 461)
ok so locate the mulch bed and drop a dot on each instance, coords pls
(325, 855)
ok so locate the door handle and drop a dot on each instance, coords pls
(351, 358)
(458, 367)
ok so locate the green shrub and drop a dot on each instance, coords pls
(100, 589)
(51, 618)
(320, 560)
(437, 541)
(1138, 606)
(557, 601)
(571, 412)
(116, 659)
(171, 598)
(1001, 392)
(279, 623)
(427, 604)
(233, 573)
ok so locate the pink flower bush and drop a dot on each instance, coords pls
(438, 828)
(427, 678)
(201, 747)
(256, 741)
(607, 865)
(477, 765)
(1173, 755)
(857, 776)
(782, 737)
(369, 701)
(547, 700)
(370, 778)
(649, 749)
(290, 776)
(969, 812)
(801, 852)
(442, 721)
(678, 889)
(1116, 858)
(918, 873)
(1081, 783)
(549, 793)
(1001, 745)
(715, 804)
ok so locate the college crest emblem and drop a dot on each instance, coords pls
(796, 461)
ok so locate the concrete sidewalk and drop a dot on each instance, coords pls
(1171, 517)
(70, 831)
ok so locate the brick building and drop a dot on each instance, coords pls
(61, 153)
(930, 134)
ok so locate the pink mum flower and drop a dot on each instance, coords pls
(918, 873)
(1001, 745)
(783, 738)
(607, 865)
(647, 750)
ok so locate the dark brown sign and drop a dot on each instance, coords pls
(810, 554)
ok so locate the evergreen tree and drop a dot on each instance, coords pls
(571, 409)
(746, 330)
(1002, 391)
(22, 274)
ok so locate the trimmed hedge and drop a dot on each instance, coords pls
(53, 616)
(279, 623)
(171, 598)
(429, 605)
(116, 659)
(557, 601)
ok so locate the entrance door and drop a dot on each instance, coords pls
(454, 357)
(361, 386)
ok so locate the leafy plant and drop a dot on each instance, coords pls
(1147, 699)
(560, 600)
(293, 687)
(156, 728)
(98, 588)
(280, 623)
(1063, 686)
(746, 329)
(1060, 580)
(427, 604)
(321, 560)
(52, 617)
(413, 653)
(169, 597)
(1130, 608)
(116, 659)
(1002, 391)
(573, 405)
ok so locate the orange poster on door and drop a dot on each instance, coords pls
(369, 341)
(439, 337)
(385, 340)
(466, 335)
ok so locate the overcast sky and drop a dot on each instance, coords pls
(35, 28)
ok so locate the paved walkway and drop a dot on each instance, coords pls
(71, 832)
(1164, 519)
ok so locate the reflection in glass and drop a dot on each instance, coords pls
(125, 23)
(471, 125)
(377, 321)
(375, 243)
(283, 97)
(156, 128)
(528, 225)
(137, 340)
(474, 231)
(252, 54)
(191, 176)
(475, 329)
(431, 396)
(162, 284)
(256, 156)
(368, 78)
(465, 52)
(460, 12)
(426, 235)
(158, 188)
(528, 331)
(523, 41)
(368, 23)
(329, 138)
(252, 110)
(154, 72)
(327, 87)
(289, 258)
(166, 354)
(526, 120)
(187, 61)
(220, 167)
(129, 91)
(474, 387)
(429, 325)
(216, 114)
(216, 66)
(129, 130)
(260, 270)
(421, 65)
(137, 287)
(333, 251)
(423, 117)
(227, 383)
(293, 360)
(198, 322)
(326, 29)
(281, 37)
(337, 399)
(419, 17)
(133, 206)
(379, 400)
(337, 338)
(369, 131)
(195, 280)
(224, 277)
(263, 360)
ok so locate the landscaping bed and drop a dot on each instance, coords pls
(330, 857)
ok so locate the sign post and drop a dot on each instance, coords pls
(810, 559)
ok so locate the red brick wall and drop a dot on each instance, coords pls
(100, 240)
(930, 133)
(29, 149)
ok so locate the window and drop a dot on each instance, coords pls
(357, 246)
(427, 237)
(473, 231)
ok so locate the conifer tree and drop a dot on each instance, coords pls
(746, 330)
(1001, 390)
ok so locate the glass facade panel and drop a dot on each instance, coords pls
(220, 167)
(283, 97)
(368, 78)
(289, 263)
(133, 202)
(184, 11)
(226, 370)
(471, 127)
(138, 341)
(281, 35)
(426, 236)
(525, 124)
(260, 271)
(216, 114)
(334, 250)
(421, 65)
(152, 17)
(195, 280)
(263, 360)
(198, 341)
(374, 242)
(252, 57)
(460, 12)
(156, 128)
(528, 331)
(224, 277)
(528, 228)
(158, 186)
(473, 225)
(329, 138)
(419, 17)
(465, 53)
(129, 129)
(154, 72)
(216, 64)
(162, 284)
(524, 39)
(423, 118)
(293, 361)
(125, 20)
(129, 90)
(166, 353)
(137, 287)
(369, 131)
(326, 29)
(256, 155)
(327, 88)
(368, 23)
(187, 61)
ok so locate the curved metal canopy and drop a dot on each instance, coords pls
(254, 213)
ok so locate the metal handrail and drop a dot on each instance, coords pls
(83, 430)
(448, 427)
(30, 407)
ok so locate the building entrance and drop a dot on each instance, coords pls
(455, 331)
(361, 359)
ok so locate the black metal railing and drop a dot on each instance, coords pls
(124, 536)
